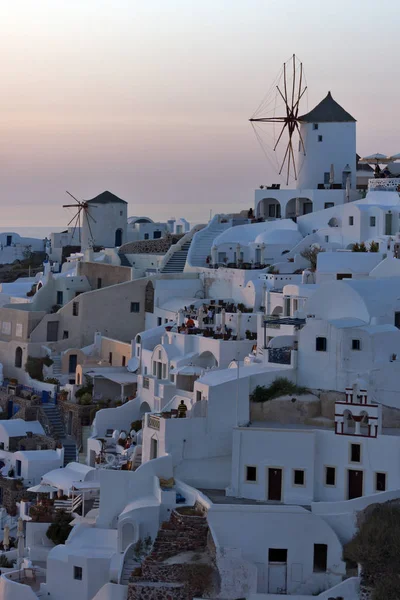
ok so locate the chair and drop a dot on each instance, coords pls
(30, 575)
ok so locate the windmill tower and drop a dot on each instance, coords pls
(327, 154)
(104, 220)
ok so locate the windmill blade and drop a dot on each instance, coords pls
(73, 197)
(280, 135)
(288, 164)
(89, 227)
(284, 159)
(301, 138)
(294, 79)
(296, 106)
(73, 219)
(76, 217)
(91, 216)
(284, 82)
(69, 206)
(79, 225)
(293, 160)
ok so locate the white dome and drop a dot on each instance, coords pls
(279, 236)
(248, 234)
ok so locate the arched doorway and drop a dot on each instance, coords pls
(127, 535)
(297, 207)
(18, 358)
(118, 237)
(269, 208)
(144, 408)
(206, 360)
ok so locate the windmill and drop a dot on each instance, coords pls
(82, 209)
(289, 88)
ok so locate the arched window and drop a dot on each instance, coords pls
(18, 357)
(118, 237)
(349, 423)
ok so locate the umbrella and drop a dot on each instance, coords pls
(348, 187)
(223, 319)
(394, 157)
(200, 317)
(238, 324)
(42, 488)
(6, 537)
(21, 541)
(332, 175)
(375, 159)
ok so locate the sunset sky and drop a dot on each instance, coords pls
(151, 98)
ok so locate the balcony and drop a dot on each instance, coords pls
(384, 184)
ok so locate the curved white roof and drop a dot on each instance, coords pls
(65, 478)
(355, 298)
(279, 236)
(19, 427)
(246, 234)
(38, 455)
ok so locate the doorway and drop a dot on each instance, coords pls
(277, 570)
(118, 237)
(274, 484)
(153, 448)
(355, 484)
(9, 240)
(73, 361)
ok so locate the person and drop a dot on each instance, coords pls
(190, 323)
(182, 410)
(210, 315)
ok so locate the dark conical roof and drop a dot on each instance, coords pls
(327, 111)
(106, 198)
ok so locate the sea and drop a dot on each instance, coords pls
(33, 232)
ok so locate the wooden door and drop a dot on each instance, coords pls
(355, 484)
(275, 484)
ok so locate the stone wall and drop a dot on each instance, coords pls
(11, 492)
(80, 418)
(32, 443)
(195, 573)
(159, 246)
(108, 274)
(28, 408)
(286, 409)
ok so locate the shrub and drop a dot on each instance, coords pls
(142, 548)
(5, 563)
(85, 399)
(374, 247)
(34, 366)
(280, 387)
(136, 425)
(376, 547)
(52, 380)
(311, 254)
(87, 388)
(60, 529)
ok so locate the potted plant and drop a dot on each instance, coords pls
(248, 334)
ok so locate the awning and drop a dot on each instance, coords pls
(86, 485)
(42, 488)
(120, 376)
(187, 370)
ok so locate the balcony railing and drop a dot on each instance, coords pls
(153, 422)
(385, 184)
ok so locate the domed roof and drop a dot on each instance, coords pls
(279, 236)
(106, 198)
(327, 111)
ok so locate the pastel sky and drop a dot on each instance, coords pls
(151, 98)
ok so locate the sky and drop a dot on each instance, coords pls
(150, 99)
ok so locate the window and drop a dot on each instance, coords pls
(18, 358)
(146, 383)
(320, 138)
(380, 482)
(18, 330)
(277, 555)
(397, 320)
(198, 395)
(99, 283)
(330, 476)
(351, 220)
(60, 298)
(327, 238)
(320, 558)
(78, 573)
(164, 371)
(156, 235)
(355, 453)
(75, 309)
(251, 474)
(340, 276)
(146, 236)
(329, 204)
(172, 378)
(372, 221)
(121, 213)
(327, 177)
(298, 477)
(159, 321)
(124, 361)
(315, 126)
(320, 344)
(65, 335)
(356, 344)
(110, 358)
(135, 307)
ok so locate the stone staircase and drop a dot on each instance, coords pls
(57, 369)
(128, 566)
(177, 261)
(56, 424)
(203, 241)
(124, 260)
(185, 534)
(53, 414)
(137, 457)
